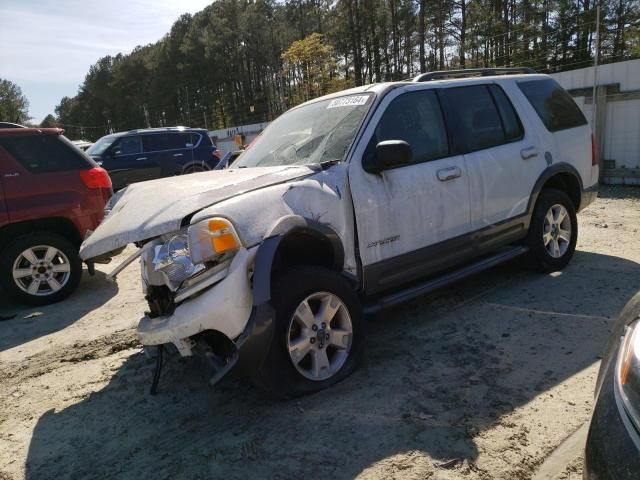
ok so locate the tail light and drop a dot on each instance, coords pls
(594, 150)
(216, 153)
(96, 177)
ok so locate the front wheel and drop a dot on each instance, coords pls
(319, 333)
(553, 231)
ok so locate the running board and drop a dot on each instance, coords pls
(446, 279)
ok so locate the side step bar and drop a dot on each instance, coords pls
(443, 280)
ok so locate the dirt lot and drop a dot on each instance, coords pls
(479, 381)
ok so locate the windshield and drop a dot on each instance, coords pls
(318, 132)
(101, 145)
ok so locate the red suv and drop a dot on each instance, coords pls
(51, 194)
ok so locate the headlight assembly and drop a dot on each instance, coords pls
(628, 372)
(212, 238)
(173, 260)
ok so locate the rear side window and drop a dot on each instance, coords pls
(416, 118)
(554, 105)
(510, 121)
(480, 116)
(166, 141)
(45, 153)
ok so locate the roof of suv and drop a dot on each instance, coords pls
(379, 88)
(157, 130)
(29, 131)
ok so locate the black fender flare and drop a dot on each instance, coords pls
(267, 251)
(546, 175)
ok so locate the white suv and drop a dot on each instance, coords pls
(347, 204)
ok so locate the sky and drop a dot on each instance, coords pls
(48, 46)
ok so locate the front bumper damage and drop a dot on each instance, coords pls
(225, 309)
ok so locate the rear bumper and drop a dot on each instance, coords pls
(588, 196)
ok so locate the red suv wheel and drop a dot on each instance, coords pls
(40, 268)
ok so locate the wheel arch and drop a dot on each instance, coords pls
(563, 177)
(195, 163)
(294, 240)
(60, 225)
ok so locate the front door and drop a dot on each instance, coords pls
(411, 221)
(126, 162)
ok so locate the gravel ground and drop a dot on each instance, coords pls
(482, 380)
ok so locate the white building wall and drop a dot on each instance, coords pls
(621, 128)
(623, 133)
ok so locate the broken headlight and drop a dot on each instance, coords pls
(173, 260)
(212, 238)
(628, 372)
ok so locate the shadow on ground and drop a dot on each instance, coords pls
(437, 371)
(618, 191)
(91, 294)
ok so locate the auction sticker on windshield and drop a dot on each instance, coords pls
(352, 101)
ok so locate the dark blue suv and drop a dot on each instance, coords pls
(140, 155)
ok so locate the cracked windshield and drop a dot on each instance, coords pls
(311, 134)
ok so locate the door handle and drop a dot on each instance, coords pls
(141, 158)
(529, 152)
(177, 154)
(446, 174)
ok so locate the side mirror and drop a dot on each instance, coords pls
(115, 152)
(389, 154)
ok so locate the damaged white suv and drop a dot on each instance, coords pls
(347, 204)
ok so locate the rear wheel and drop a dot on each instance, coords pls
(553, 231)
(319, 333)
(195, 169)
(40, 268)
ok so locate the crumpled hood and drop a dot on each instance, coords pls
(149, 209)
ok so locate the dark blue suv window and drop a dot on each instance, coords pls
(166, 141)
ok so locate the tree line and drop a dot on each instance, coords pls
(247, 61)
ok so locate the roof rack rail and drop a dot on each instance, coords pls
(177, 127)
(472, 72)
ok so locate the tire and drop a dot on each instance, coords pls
(551, 242)
(57, 277)
(195, 169)
(278, 375)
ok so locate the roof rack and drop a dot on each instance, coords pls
(472, 72)
(170, 129)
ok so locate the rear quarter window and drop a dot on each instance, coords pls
(553, 104)
(45, 153)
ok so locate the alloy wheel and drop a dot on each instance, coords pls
(319, 336)
(556, 231)
(41, 270)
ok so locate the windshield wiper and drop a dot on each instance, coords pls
(328, 163)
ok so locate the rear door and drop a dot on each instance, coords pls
(169, 152)
(503, 158)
